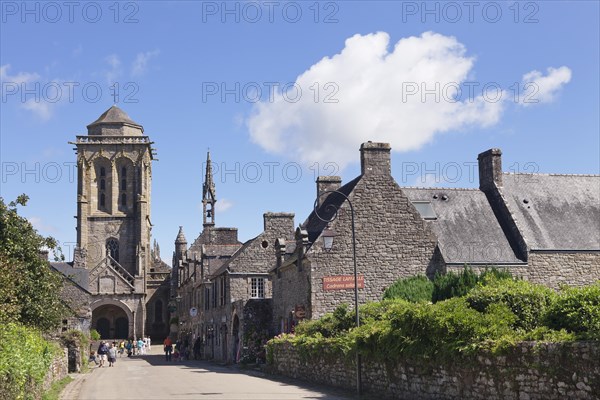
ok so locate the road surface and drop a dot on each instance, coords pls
(151, 377)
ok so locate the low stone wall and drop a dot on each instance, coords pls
(58, 369)
(530, 371)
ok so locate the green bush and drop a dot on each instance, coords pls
(24, 361)
(452, 285)
(449, 285)
(95, 335)
(576, 310)
(526, 300)
(413, 289)
(330, 325)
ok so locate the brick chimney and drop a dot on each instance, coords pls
(490, 169)
(375, 159)
(326, 183)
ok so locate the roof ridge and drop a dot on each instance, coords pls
(441, 188)
(550, 174)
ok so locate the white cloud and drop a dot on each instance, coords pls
(41, 109)
(140, 64)
(543, 89)
(21, 77)
(41, 226)
(428, 180)
(372, 84)
(114, 72)
(223, 205)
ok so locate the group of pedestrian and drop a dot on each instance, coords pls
(108, 352)
(105, 353)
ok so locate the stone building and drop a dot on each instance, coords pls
(544, 228)
(113, 255)
(221, 287)
(192, 291)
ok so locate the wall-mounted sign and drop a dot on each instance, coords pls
(300, 311)
(341, 282)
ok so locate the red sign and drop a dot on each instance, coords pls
(341, 282)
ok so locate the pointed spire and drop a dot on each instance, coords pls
(209, 195)
(181, 236)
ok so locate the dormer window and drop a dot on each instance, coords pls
(425, 209)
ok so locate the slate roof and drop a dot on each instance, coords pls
(114, 115)
(240, 250)
(79, 276)
(466, 227)
(555, 212)
(313, 224)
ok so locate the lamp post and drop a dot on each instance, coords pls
(330, 214)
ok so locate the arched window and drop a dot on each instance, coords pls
(123, 199)
(158, 311)
(102, 184)
(112, 249)
(102, 171)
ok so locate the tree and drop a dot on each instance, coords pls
(29, 288)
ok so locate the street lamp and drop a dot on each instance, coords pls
(329, 214)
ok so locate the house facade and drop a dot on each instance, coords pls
(542, 227)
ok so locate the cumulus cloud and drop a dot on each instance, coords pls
(543, 89)
(21, 77)
(41, 109)
(140, 64)
(370, 91)
(41, 226)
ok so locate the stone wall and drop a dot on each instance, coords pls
(530, 371)
(58, 369)
(571, 268)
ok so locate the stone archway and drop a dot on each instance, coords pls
(112, 319)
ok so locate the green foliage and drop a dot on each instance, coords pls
(95, 335)
(576, 310)
(57, 387)
(413, 289)
(494, 316)
(24, 361)
(526, 300)
(330, 325)
(451, 285)
(29, 288)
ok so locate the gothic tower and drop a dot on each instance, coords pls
(209, 196)
(113, 221)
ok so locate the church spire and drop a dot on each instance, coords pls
(209, 196)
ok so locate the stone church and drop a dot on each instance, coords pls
(126, 281)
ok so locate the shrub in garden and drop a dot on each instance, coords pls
(331, 324)
(526, 300)
(413, 289)
(576, 310)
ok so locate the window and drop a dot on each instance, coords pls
(214, 294)
(112, 249)
(222, 292)
(102, 200)
(257, 286)
(207, 298)
(425, 209)
(123, 199)
(123, 189)
(102, 184)
(123, 184)
(102, 171)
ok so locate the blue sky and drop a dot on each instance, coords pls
(284, 91)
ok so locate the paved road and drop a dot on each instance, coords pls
(151, 377)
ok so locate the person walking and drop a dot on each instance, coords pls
(121, 348)
(102, 352)
(140, 346)
(112, 355)
(168, 343)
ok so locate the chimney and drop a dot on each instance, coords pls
(375, 159)
(326, 183)
(490, 169)
(282, 224)
(44, 255)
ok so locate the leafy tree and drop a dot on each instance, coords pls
(29, 288)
